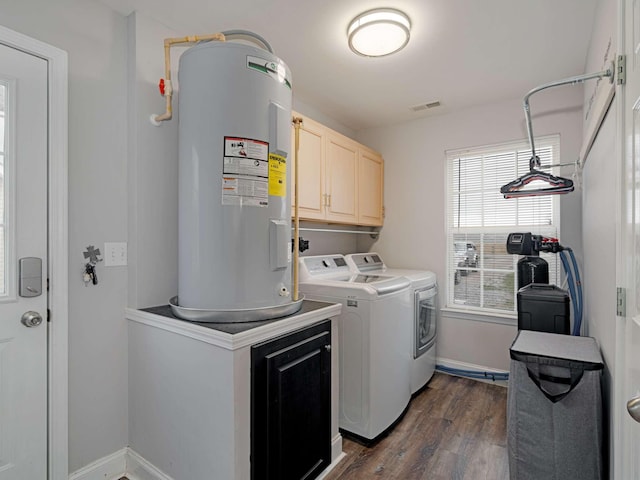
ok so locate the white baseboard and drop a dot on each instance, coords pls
(447, 362)
(140, 469)
(331, 467)
(124, 462)
(336, 448)
(111, 467)
(130, 464)
(336, 453)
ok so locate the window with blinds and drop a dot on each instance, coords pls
(481, 274)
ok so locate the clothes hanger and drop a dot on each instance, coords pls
(558, 185)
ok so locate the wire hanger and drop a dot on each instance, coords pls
(557, 185)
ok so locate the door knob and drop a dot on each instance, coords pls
(31, 319)
(633, 407)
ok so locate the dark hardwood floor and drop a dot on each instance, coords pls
(454, 429)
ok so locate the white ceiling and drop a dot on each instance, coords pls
(462, 52)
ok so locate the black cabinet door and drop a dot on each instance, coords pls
(291, 405)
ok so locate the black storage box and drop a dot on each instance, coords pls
(543, 308)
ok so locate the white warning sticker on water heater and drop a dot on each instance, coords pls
(245, 172)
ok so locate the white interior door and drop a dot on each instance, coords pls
(23, 235)
(628, 372)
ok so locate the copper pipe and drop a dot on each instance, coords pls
(168, 94)
(297, 121)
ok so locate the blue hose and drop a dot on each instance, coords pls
(579, 288)
(494, 376)
(572, 292)
(575, 290)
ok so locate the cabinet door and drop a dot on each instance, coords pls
(342, 185)
(370, 188)
(311, 173)
(291, 406)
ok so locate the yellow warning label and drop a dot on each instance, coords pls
(277, 175)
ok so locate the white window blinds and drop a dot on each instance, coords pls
(480, 273)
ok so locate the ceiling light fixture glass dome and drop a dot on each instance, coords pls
(379, 32)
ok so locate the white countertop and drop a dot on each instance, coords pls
(310, 313)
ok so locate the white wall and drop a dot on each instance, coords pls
(599, 204)
(599, 273)
(324, 243)
(599, 200)
(414, 233)
(318, 116)
(95, 39)
(152, 169)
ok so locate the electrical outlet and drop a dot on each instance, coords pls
(115, 254)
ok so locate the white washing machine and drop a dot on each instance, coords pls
(374, 329)
(424, 312)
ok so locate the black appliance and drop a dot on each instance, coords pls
(541, 307)
(544, 308)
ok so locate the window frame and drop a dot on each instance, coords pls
(521, 147)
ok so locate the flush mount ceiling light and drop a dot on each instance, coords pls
(379, 32)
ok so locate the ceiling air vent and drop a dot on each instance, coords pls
(425, 106)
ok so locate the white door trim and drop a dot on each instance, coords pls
(58, 240)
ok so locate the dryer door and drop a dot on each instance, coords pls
(426, 307)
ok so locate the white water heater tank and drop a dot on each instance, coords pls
(234, 137)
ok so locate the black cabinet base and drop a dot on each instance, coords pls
(291, 405)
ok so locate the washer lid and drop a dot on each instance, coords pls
(361, 278)
(382, 284)
(341, 288)
(418, 278)
(372, 264)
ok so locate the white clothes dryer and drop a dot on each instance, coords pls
(374, 329)
(424, 313)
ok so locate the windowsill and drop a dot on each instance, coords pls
(463, 314)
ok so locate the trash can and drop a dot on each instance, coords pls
(554, 408)
(543, 308)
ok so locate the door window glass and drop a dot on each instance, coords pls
(7, 119)
(3, 241)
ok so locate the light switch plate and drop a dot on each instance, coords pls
(115, 254)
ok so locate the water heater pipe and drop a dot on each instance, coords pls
(297, 121)
(165, 84)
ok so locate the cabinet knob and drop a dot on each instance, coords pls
(327, 348)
